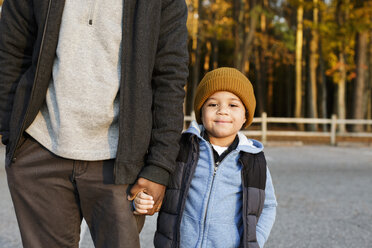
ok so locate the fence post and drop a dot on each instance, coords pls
(333, 129)
(264, 127)
(193, 115)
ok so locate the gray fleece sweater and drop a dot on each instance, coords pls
(79, 119)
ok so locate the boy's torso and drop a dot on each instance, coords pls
(243, 207)
(212, 215)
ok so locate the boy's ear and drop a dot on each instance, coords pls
(245, 119)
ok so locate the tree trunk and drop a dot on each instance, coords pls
(291, 90)
(323, 91)
(322, 80)
(299, 40)
(313, 64)
(361, 86)
(249, 35)
(342, 16)
(259, 89)
(239, 27)
(361, 69)
(341, 93)
(196, 66)
(195, 57)
(270, 86)
(267, 62)
(207, 56)
(369, 95)
(214, 53)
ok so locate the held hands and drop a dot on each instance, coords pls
(147, 195)
(142, 203)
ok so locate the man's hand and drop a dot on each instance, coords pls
(153, 189)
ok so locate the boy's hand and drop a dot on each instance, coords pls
(153, 189)
(142, 203)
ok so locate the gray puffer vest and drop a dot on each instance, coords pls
(253, 179)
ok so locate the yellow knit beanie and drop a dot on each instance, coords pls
(226, 79)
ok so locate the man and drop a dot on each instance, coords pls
(91, 96)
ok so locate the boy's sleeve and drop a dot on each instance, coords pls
(17, 36)
(169, 78)
(267, 218)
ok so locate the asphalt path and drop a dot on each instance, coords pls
(324, 195)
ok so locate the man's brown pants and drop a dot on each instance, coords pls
(51, 195)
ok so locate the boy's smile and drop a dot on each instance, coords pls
(223, 115)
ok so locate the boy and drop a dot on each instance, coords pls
(221, 194)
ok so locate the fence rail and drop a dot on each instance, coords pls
(332, 133)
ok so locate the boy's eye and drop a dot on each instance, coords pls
(233, 105)
(212, 105)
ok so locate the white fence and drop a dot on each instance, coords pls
(332, 134)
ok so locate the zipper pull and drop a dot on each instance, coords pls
(91, 12)
(215, 169)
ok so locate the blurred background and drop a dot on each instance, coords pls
(305, 58)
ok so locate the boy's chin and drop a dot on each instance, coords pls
(223, 135)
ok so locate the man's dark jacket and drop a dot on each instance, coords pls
(154, 71)
(253, 172)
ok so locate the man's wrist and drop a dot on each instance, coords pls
(155, 174)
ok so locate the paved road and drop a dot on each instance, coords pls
(324, 195)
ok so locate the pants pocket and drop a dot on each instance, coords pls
(22, 144)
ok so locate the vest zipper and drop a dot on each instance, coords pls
(243, 241)
(33, 86)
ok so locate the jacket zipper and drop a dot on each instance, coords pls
(210, 191)
(35, 79)
(125, 14)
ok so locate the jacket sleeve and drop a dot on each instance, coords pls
(267, 217)
(169, 78)
(17, 37)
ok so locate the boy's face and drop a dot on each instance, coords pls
(223, 115)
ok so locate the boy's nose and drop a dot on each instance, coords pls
(222, 110)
